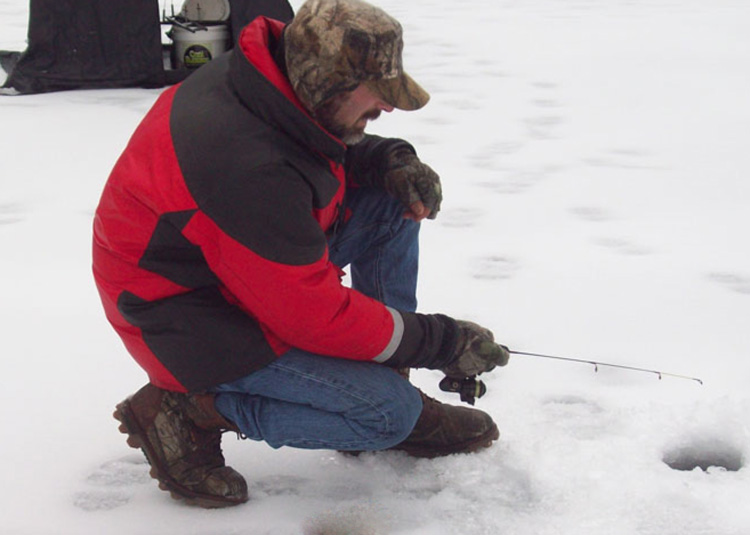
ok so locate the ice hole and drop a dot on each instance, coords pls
(705, 454)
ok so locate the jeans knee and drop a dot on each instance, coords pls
(389, 210)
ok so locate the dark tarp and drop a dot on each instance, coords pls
(90, 44)
(245, 11)
(76, 44)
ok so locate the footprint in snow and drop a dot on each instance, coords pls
(591, 213)
(460, 217)
(102, 499)
(490, 69)
(622, 246)
(462, 104)
(544, 85)
(546, 103)
(579, 417)
(112, 484)
(514, 181)
(736, 283)
(634, 159)
(280, 485)
(493, 268)
(574, 404)
(11, 213)
(492, 157)
(543, 127)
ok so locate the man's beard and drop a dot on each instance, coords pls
(349, 134)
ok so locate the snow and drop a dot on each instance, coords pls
(595, 166)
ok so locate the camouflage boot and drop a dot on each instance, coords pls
(180, 434)
(446, 429)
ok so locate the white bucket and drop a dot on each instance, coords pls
(193, 49)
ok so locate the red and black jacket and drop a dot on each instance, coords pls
(210, 251)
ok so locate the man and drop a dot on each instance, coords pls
(218, 247)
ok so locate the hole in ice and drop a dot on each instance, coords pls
(705, 454)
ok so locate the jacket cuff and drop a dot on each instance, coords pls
(428, 341)
(366, 162)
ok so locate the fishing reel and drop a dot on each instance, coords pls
(469, 388)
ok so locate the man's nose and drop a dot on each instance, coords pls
(384, 106)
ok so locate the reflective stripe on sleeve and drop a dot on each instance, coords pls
(398, 334)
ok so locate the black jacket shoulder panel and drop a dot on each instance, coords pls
(251, 178)
(269, 211)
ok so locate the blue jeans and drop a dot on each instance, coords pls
(306, 400)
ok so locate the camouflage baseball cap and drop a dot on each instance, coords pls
(334, 45)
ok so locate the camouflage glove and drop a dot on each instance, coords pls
(476, 352)
(415, 184)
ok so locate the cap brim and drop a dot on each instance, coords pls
(401, 92)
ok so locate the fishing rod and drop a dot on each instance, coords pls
(596, 365)
(470, 388)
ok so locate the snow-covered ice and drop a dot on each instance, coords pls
(595, 162)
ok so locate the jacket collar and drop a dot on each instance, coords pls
(266, 91)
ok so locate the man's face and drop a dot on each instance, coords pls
(346, 115)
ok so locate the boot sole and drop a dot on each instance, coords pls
(129, 426)
(470, 446)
